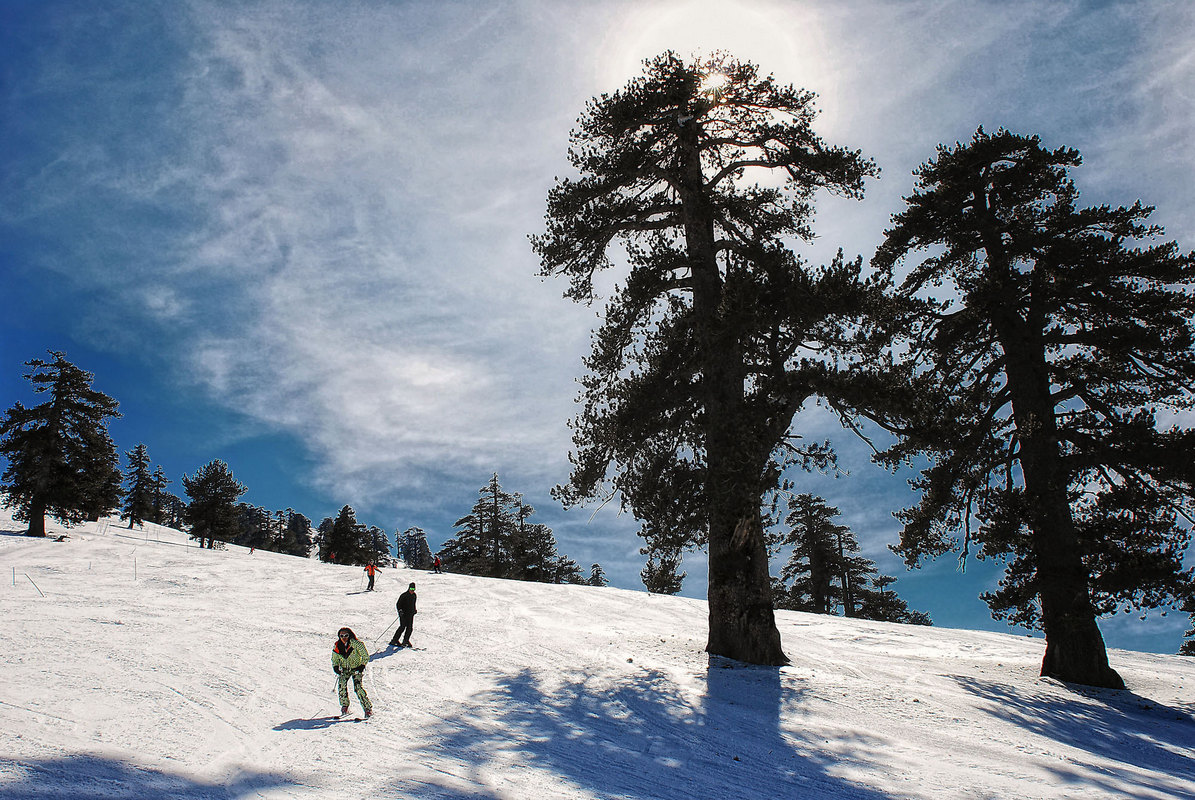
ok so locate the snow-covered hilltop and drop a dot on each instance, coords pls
(139, 666)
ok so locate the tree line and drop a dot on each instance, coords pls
(1027, 354)
(63, 463)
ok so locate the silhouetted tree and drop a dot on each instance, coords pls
(1188, 645)
(61, 460)
(497, 539)
(1033, 391)
(413, 548)
(711, 344)
(348, 539)
(212, 513)
(825, 573)
(379, 547)
(298, 538)
(139, 487)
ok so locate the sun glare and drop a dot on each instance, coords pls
(713, 83)
(782, 38)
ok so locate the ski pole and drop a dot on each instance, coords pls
(383, 633)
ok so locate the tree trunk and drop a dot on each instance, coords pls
(819, 579)
(848, 589)
(742, 623)
(37, 518)
(1075, 650)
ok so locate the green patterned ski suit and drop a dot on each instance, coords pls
(351, 663)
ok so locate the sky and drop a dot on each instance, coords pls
(516, 690)
(293, 235)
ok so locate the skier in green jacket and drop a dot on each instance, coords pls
(349, 657)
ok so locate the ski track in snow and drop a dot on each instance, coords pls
(152, 668)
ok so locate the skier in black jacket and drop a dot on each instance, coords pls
(406, 618)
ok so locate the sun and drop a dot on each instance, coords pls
(713, 83)
(782, 38)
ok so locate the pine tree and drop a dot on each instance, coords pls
(826, 575)
(297, 540)
(565, 570)
(139, 487)
(533, 553)
(61, 460)
(466, 552)
(159, 501)
(707, 350)
(322, 533)
(877, 601)
(254, 527)
(349, 539)
(597, 576)
(379, 547)
(660, 574)
(1034, 393)
(1188, 645)
(498, 540)
(212, 513)
(413, 548)
(819, 555)
(482, 543)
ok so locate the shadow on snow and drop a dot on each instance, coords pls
(313, 723)
(85, 777)
(1119, 726)
(644, 739)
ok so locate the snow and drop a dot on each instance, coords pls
(139, 666)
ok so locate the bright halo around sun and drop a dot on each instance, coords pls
(783, 38)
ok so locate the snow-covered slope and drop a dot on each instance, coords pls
(138, 666)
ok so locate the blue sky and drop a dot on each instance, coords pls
(292, 235)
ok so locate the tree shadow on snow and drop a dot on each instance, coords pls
(85, 777)
(1117, 725)
(644, 738)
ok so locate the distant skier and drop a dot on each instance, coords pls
(370, 570)
(349, 658)
(406, 618)
(436, 564)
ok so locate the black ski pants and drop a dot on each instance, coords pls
(406, 624)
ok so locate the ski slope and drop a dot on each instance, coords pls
(139, 666)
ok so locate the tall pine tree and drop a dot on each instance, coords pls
(61, 460)
(1034, 391)
(297, 540)
(703, 173)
